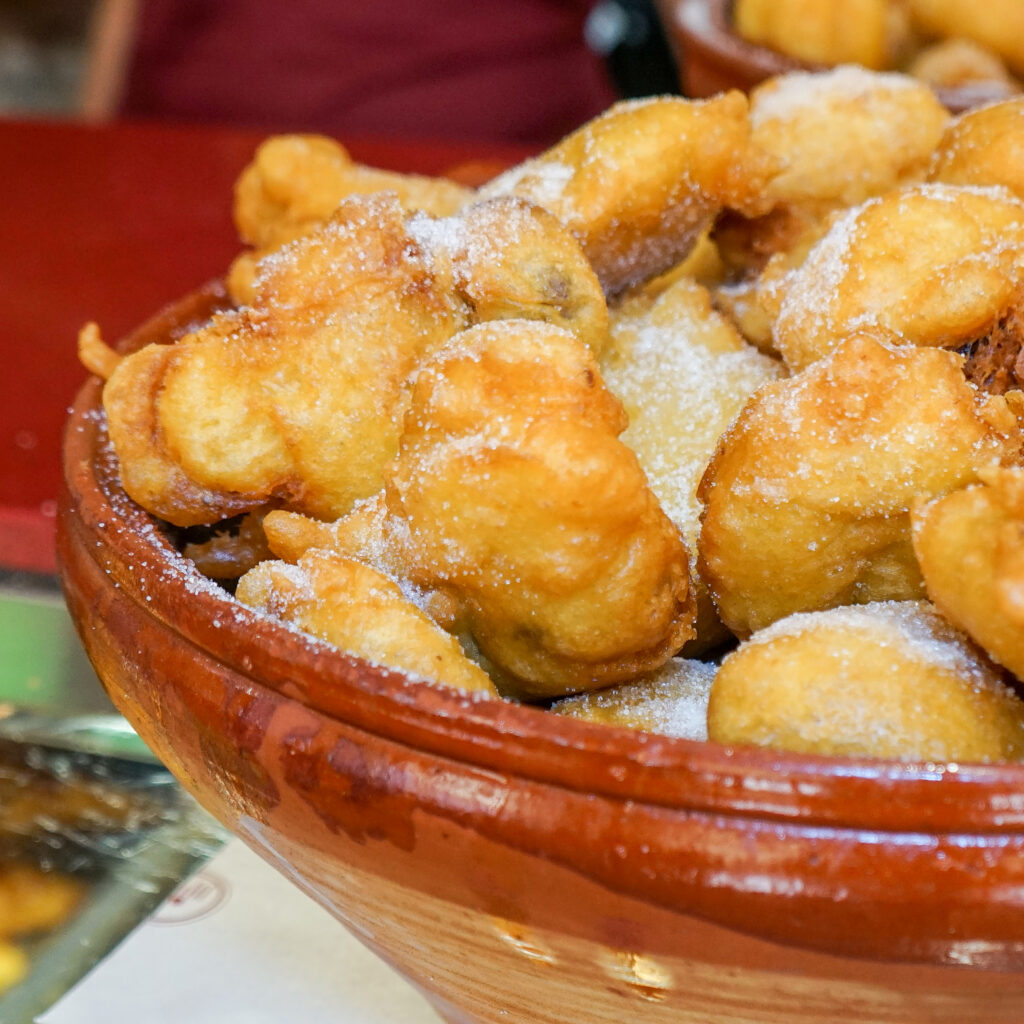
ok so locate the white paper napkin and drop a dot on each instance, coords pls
(239, 944)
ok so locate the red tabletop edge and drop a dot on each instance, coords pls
(110, 223)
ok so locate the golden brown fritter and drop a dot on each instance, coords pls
(295, 182)
(298, 399)
(807, 498)
(971, 548)
(873, 33)
(518, 519)
(983, 146)
(639, 184)
(840, 137)
(930, 264)
(513, 494)
(889, 679)
(361, 611)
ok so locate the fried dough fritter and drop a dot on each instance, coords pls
(983, 146)
(872, 33)
(513, 260)
(890, 679)
(807, 498)
(514, 495)
(451, 458)
(368, 534)
(640, 183)
(683, 373)
(930, 264)
(361, 611)
(295, 182)
(519, 519)
(298, 399)
(971, 548)
(841, 137)
(361, 533)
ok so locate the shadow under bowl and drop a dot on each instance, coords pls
(713, 58)
(522, 867)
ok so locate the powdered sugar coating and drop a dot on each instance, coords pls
(929, 264)
(785, 96)
(913, 628)
(670, 702)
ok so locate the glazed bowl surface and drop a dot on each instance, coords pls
(712, 57)
(521, 867)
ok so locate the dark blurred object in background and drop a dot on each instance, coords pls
(512, 71)
(42, 55)
(630, 37)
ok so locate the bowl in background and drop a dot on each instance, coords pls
(712, 57)
(523, 868)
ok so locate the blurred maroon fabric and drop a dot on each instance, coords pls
(489, 70)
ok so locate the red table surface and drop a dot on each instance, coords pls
(109, 223)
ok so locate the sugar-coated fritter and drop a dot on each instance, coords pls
(513, 495)
(683, 373)
(671, 702)
(971, 548)
(511, 259)
(363, 612)
(362, 534)
(807, 499)
(298, 399)
(445, 454)
(929, 264)
(840, 137)
(640, 183)
(889, 679)
(983, 146)
(501, 408)
(295, 182)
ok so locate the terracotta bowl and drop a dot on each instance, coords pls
(713, 58)
(519, 867)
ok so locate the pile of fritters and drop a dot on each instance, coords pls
(949, 44)
(708, 421)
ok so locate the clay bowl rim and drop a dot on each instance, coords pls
(707, 24)
(856, 793)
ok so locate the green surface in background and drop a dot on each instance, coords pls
(42, 664)
(48, 690)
